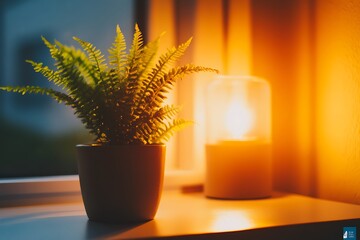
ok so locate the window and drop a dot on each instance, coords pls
(38, 134)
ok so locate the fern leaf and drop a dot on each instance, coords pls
(164, 133)
(83, 65)
(88, 99)
(148, 123)
(163, 85)
(52, 47)
(58, 96)
(80, 95)
(95, 56)
(134, 61)
(65, 62)
(166, 60)
(160, 69)
(159, 88)
(70, 65)
(148, 56)
(51, 75)
(165, 112)
(132, 82)
(118, 57)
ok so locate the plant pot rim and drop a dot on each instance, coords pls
(92, 145)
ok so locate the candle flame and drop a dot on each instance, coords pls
(239, 120)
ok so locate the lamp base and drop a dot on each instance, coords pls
(238, 170)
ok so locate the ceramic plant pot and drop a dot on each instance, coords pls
(121, 183)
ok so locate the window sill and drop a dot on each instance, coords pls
(191, 215)
(60, 189)
(39, 190)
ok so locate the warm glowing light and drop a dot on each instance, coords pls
(230, 221)
(238, 120)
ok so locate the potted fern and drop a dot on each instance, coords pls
(121, 103)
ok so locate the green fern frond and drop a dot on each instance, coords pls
(65, 62)
(118, 57)
(148, 56)
(134, 64)
(172, 55)
(160, 70)
(82, 63)
(131, 84)
(52, 47)
(147, 124)
(72, 70)
(165, 84)
(165, 112)
(58, 96)
(95, 56)
(87, 98)
(71, 64)
(51, 75)
(64, 55)
(165, 132)
(156, 94)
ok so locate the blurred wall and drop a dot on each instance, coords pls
(310, 52)
(282, 35)
(338, 99)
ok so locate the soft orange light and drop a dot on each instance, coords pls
(230, 221)
(238, 120)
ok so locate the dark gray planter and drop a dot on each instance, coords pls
(121, 183)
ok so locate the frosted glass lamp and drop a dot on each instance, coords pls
(238, 149)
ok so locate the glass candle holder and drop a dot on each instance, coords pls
(238, 148)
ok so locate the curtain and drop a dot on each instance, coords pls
(269, 39)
